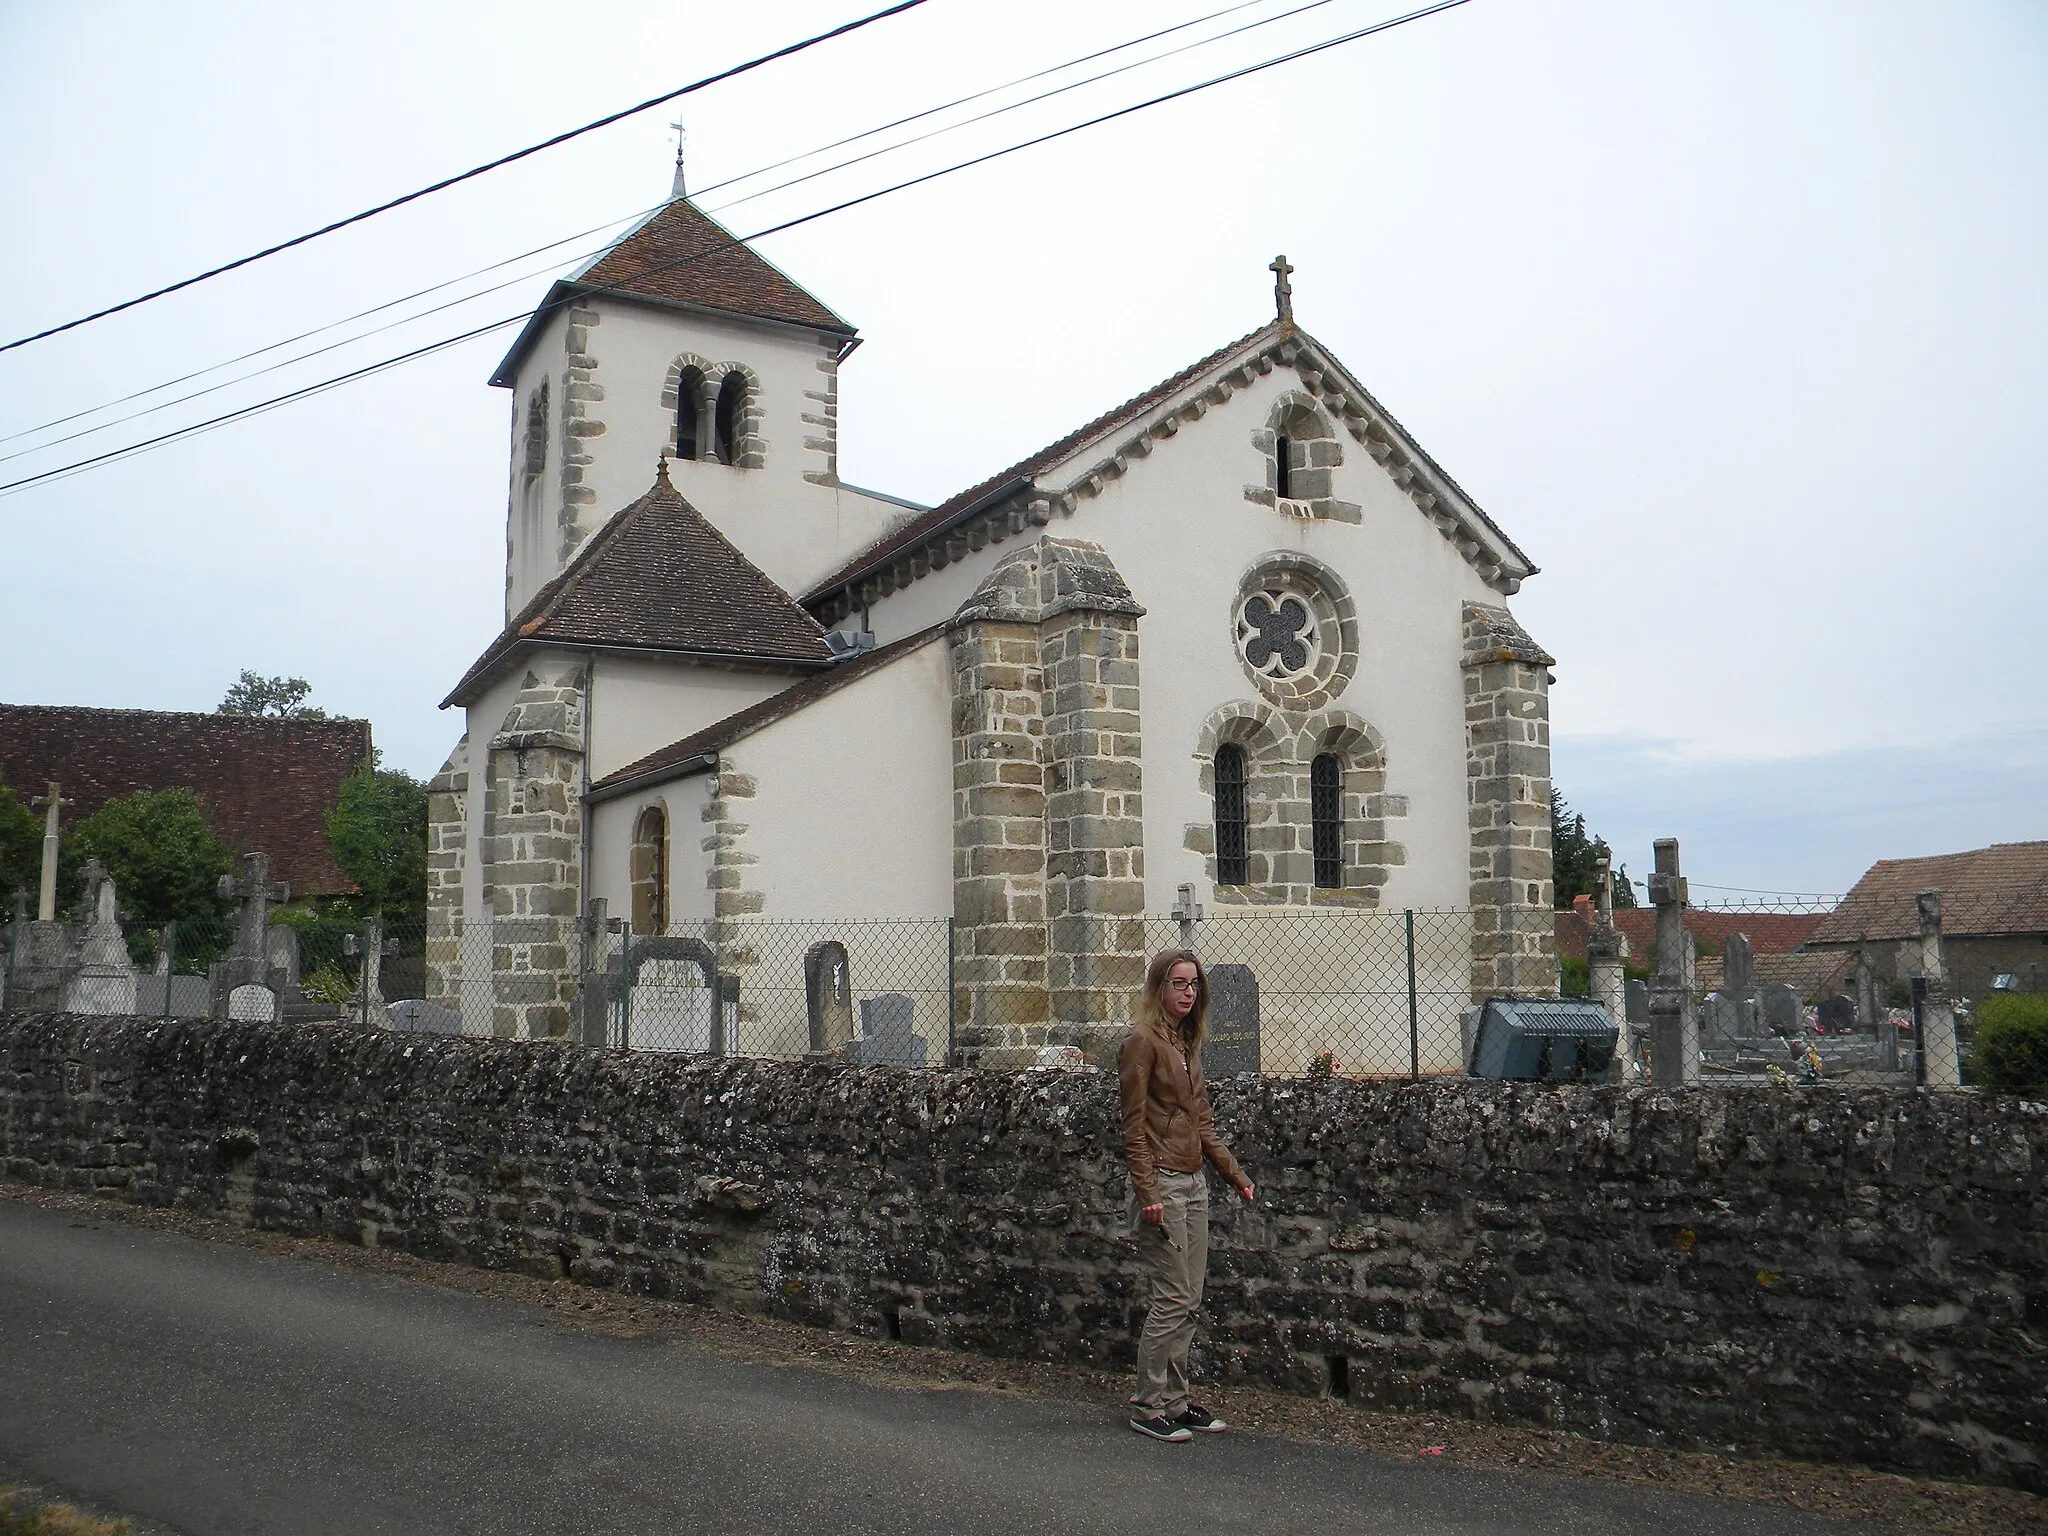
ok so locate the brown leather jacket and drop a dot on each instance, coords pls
(1167, 1123)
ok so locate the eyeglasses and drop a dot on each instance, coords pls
(1183, 983)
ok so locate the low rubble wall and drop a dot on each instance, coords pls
(1838, 1274)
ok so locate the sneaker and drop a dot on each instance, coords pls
(1159, 1427)
(1200, 1420)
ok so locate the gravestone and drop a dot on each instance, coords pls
(828, 998)
(888, 1031)
(1837, 1014)
(1636, 1003)
(189, 997)
(1721, 1022)
(1230, 1041)
(253, 960)
(413, 1017)
(1738, 968)
(1781, 1009)
(103, 979)
(252, 1004)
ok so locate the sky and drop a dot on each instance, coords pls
(1731, 314)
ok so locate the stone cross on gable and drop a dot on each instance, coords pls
(255, 891)
(46, 903)
(1283, 291)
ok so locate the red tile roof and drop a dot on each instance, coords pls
(685, 256)
(1770, 933)
(263, 784)
(2002, 889)
(659, 578)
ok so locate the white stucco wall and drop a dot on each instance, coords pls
(853, 807)
(611, 847)
(641, 704)
(1179, 529)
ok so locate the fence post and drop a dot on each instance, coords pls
(626, 989)
(952, 1004)
(170, 963)
(1414, 1035)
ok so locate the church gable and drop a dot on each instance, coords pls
(1309, 427)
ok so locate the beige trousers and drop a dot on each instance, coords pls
(1176, 1257)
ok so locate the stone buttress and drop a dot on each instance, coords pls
(1048, 844)
(447, 861)
(1507, 781)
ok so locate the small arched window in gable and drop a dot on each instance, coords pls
(690, 442)
(1233, 865)
(649, 871)
(536, 446)
(1326, 818)
(732, 404)
(1283, 466)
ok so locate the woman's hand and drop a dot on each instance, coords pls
(1247, 1191)
(1155, 1214)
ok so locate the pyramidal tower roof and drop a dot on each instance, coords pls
(682, 256)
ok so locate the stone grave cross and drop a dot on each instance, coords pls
(46, 904)
(1674, 1021)
(1606, 965)
(255, 891)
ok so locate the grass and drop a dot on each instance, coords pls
(22, 1514)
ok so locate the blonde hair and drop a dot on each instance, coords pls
(1152, 1001)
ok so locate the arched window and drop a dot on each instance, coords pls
(1326, 817)
(689, 414)
(1233, 867)
(732, 401)
(1283, 467)
(649, 870)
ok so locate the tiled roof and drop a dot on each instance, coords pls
(685, 256)
(909, 534)
(1995, 890)
(1770, 933)
(263, 784)
(658, 577)
(745, 722)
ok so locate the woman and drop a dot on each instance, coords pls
(1168, 1131)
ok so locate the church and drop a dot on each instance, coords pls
(1240, 633)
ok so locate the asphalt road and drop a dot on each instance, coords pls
(214, 1390)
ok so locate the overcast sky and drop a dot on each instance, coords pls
(1732, 314)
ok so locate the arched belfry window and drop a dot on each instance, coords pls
(1233, 866)
(732, 402)
(1283, 466)
(1326, 818)
(649, 871)
(690, 442)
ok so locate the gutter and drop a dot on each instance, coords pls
(974, 508)
(722, 658)
(688, 768)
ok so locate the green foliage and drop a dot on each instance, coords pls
(379, 831)
(21, 851)
(328, 985)
(2010, 1046)
(277, 698)
(1575, 855)
(1575, 977)
(166, 865)
(1899, 994)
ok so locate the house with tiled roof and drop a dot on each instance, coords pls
(1240, 633)
(1994, 916)
(263, 785)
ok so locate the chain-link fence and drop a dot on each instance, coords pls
(1781, 989)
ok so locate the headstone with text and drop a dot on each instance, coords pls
(1230, 1041)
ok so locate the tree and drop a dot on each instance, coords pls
(379, 831)
(165, 860)
(1575, 854)
(275, 698)
(21, 851)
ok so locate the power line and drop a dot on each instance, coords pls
(468, 175)
(637, 214)
(111, 455)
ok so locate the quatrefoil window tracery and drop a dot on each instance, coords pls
(1277, 632)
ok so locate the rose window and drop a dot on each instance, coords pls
(1277, 634)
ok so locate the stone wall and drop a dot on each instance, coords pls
(1859, 1276)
